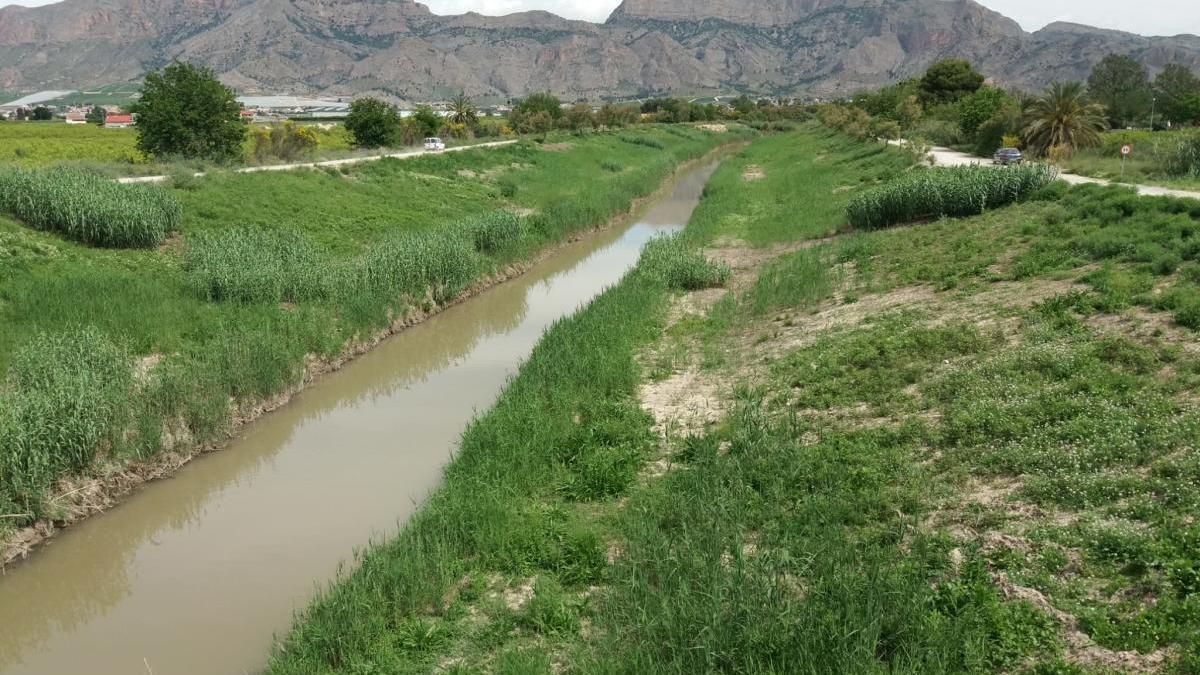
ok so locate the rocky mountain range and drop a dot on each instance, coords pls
(401, 49)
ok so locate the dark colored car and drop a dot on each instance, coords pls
(1006, 156)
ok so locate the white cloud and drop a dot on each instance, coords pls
(1149, 17)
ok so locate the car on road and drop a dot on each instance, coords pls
(1006, 156)
(435, 144)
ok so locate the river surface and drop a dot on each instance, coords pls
(199, 573)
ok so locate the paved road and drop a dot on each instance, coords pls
(332, 162)
(948, 157)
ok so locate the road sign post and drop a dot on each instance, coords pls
(1126, 151)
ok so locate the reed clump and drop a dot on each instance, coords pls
(259, 265)
(65, 396)
(90, 209)
(679, 266)
(946, 192)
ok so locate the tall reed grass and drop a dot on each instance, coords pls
(65, 395)
(90, 209)
(678, 265)
(948, 192)
(256, 265)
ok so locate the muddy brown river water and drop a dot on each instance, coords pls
(199, 573)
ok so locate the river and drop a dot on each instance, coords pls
(201, 572)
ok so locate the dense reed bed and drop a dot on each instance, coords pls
(947, 192)
(89, 208)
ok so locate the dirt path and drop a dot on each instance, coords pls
(328, 163)
(948, 157)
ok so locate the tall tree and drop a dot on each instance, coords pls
(185, 111)
(536, 113)
(1062, 117)
(372, 122)
(427, 121)
(97, 115)
(979, 107)
(1177, 88)
(462, 111)
(948, 81)
(1122, 85)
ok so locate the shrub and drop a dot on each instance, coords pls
(953, 192)
(65, 394)
(678, 266)
(494, 232)
(939, 132)
(90, 209)
(287, 141)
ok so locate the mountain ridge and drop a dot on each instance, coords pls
(646, 47)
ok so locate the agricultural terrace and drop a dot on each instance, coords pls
(953, 445)
(123, 333)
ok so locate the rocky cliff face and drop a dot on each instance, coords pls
(399, 47)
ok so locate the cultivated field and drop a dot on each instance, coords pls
(158, 329)
(960, 445)
(114, 151)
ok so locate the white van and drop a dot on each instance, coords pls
(435, 144)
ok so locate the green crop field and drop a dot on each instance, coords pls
(261, 273)
(114, 151)
(29, 144)
(964, 445)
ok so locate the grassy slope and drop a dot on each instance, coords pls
(966, 445)
(215, 352)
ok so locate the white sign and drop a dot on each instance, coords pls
(1126, 150)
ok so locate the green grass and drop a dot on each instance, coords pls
(756, 212)
(1150, 163)
(230, 312)
(925, 486)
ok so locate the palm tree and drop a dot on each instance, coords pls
(1063, 118)
(462, 111)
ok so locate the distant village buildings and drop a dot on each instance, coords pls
(117, 121)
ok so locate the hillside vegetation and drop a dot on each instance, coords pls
(780, 445)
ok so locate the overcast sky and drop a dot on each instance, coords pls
(1149, 17)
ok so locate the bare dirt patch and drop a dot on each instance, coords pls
(1147, 327)
(753, 172)
(1081, 649)
(715, 128)
(686, 402)
(557, 147)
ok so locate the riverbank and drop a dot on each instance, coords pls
(169, 361)
(958, 446)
